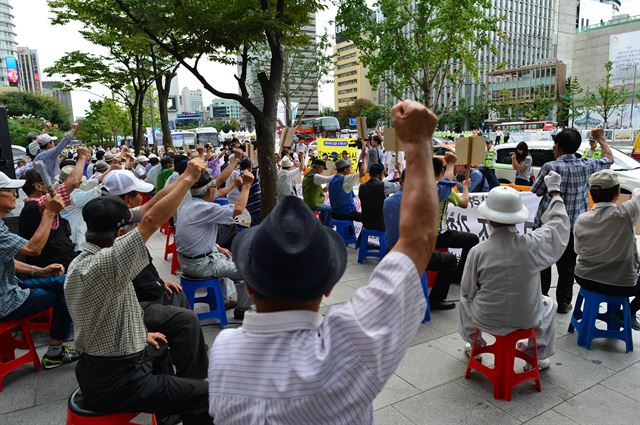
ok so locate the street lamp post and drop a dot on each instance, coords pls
(633, 96)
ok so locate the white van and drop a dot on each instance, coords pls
(205, 135)
(179, 138)
(625, 167)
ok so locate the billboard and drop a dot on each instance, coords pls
(624, 52)
(12, 71)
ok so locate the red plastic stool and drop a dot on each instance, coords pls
(164, 227)
(504, 350)
(43, 323)
(169, 247)
(8, 345)
(78, 414)
(175, 265)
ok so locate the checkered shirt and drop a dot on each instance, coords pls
(11, 295)
(107, 317)
(574, 187)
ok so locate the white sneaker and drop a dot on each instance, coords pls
(543, 364)
(467, 352)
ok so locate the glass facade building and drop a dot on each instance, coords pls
(7, 39)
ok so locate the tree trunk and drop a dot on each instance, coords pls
(265, 141)
(163, 99)
(133, 111)
(139, 137)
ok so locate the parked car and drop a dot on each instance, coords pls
(442, 146)
(626, 168)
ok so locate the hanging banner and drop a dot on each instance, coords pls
(333, 148)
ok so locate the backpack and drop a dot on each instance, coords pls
(489, 177)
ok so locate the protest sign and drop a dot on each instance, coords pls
(252, 153)
(362, 127)
(286, 137)
(391, 142)
(334, 148)
(470, 150)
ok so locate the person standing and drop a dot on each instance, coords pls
(490, 156)
(574, 188)
(167, 164)
(313, 193)
(286, 177)
(593, 151)
(49, 153)
(522, 162)
(374, 153)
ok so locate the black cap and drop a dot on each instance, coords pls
(180, 163)
(320, 163)
(204, 180)
(106, 213)
(376, 169)
(31, 136)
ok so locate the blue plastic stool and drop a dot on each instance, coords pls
(584, 318)
(221, 201)
(214, 297)
(369, 250)
(346, 230)
(425, 289)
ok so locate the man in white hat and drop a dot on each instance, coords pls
(141, 167)
(50, 152)
(287, 174)
(500, 289)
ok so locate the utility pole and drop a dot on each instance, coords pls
(633, 96)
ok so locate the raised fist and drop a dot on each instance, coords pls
(413, 122)
(553, 181)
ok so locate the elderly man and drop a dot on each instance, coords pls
(288, 364)
(286, 178)
(44, 287)
(313, 193)
(50, 152)
(341, 196)
(500, 287)
(114, 371)
(197, 235)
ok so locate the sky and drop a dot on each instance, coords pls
(34, 30)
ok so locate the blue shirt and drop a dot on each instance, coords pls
(574, 187)
(50, 158)
(478, 183)
(11, 295)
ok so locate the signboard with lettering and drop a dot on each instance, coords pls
(333, 148)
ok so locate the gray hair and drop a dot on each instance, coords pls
(201, 191)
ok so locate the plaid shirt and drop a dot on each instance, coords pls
(42, 202)
(11, 295)
(574, 187)
(107, 317)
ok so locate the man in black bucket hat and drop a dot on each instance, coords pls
(289, 363)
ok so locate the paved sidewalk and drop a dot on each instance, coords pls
(599, 386)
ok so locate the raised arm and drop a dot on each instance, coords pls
(233, 163)
(34, 246)
(415, 125)
(157, 215)
(598, 134)
(66, 140)
(75, 178)
(241, 202)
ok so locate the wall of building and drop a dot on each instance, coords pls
(7, 39)
(350, 77)
(29, 69)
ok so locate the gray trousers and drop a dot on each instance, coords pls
(545, 333)
(218, 265)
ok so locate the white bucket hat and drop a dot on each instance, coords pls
(503, 205)
(286, 162)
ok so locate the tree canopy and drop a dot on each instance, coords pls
(46, 107)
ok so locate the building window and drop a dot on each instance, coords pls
(346, 83)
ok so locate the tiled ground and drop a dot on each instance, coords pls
(600, 386)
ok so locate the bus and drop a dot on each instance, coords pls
(326, 127)
(526, 126)
(205, 135)
(179, 138)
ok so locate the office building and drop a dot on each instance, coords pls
(350, 77)
(53, 88)
(29, 70)
(191, 101)
(224, 110)
(306, 95)
(7, 40)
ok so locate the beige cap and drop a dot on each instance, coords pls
(605, 179)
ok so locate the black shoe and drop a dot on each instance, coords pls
(444, 305)
(564, 308)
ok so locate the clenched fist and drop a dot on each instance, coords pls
(413, 122)
(55, 204)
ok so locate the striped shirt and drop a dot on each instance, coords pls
(296, 367)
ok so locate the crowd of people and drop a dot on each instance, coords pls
(81, 250)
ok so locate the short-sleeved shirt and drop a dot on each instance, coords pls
(11, 295)
(197, 226)
(162, 178)
(233, 195)
(574, 187)
(107, 318)
(525, 173)
(455, 199)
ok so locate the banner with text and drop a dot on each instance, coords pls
(334, 148)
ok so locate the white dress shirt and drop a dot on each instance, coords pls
(296, 367)
(73, 213)
(501, 279)
(284, 183)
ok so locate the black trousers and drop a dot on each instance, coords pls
(522, 182)
(618, 291)
(565, 265)
(455, 239)
(445, 264)
(373, 226)
(126, 384)
(172, 317)
(355, 216)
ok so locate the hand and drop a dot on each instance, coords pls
(83, 152)
(413, 122)
(55, 204)
(450, 158)
(553, 180)
(52, 270)
(47, 126)
(200, 150)
(172, 287)
(466, 184)
(237, 153)
(154, 337)
(74, 128)
(365, 153)
(238, 182)
(224, 251)
(195, 168)
(247, 178)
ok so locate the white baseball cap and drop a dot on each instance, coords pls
(45, 139)
(121, 182)
(7, 183)
(153, 155)
(142, 158)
